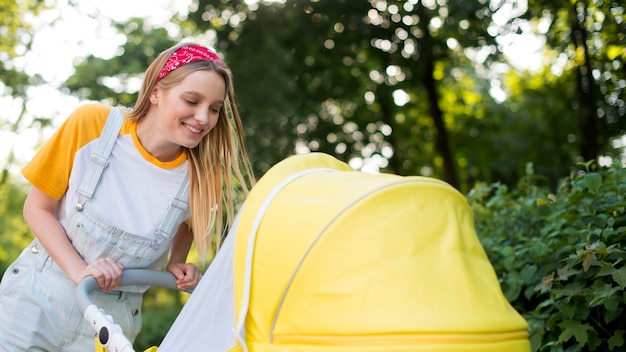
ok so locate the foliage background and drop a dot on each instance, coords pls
(560, 256)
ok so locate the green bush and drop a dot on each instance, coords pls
(160, 308)
(560, 256)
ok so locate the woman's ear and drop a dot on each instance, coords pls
(154, 96)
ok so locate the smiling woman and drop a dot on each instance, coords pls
(171, 166)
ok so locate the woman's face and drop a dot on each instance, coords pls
(186, 112)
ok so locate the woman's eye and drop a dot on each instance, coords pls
(191, 102)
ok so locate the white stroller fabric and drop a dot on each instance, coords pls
(206, 322)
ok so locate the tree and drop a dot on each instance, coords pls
(591, 36)
(114, 81)
(15, 40)
(346, 60)
(330, 76)
(536, 126)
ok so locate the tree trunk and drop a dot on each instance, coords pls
(427, 78)
(442, 145)
(584, 88)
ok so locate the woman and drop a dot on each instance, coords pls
(112, 193)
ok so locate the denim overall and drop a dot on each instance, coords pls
(37, 308)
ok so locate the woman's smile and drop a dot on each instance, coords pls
(193, 129)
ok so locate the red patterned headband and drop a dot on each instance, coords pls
(187, 54)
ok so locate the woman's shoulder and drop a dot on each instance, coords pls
(90, 113)
(90, 119)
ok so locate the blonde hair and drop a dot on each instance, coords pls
(218, 165)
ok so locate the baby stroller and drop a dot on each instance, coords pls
(324, 258)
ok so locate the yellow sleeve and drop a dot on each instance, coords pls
(51, 167)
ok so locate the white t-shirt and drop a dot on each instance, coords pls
(135, 189)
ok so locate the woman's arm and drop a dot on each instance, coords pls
(187, 274)
(40, 214)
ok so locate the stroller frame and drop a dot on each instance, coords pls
(109, 334)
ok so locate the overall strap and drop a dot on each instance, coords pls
(99, 159)
(179, 208)
(177, 211)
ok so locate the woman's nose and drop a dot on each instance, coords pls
(202, 115)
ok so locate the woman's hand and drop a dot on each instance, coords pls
(187, 274)
(107, 273)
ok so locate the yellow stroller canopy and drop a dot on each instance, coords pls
(327, 258)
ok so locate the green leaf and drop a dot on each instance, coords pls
(593, 180)
(606, 270)
(619, 276)
(617, 340)
(528, 272)
(610, 222)
(611, 309)
(535, 341)
(573, 328)
(602, 293)
(553, 320)
(607, 232)
(568, 310)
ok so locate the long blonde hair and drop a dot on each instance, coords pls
(218, 165)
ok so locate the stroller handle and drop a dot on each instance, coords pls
(130, 277)
(109, 334)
